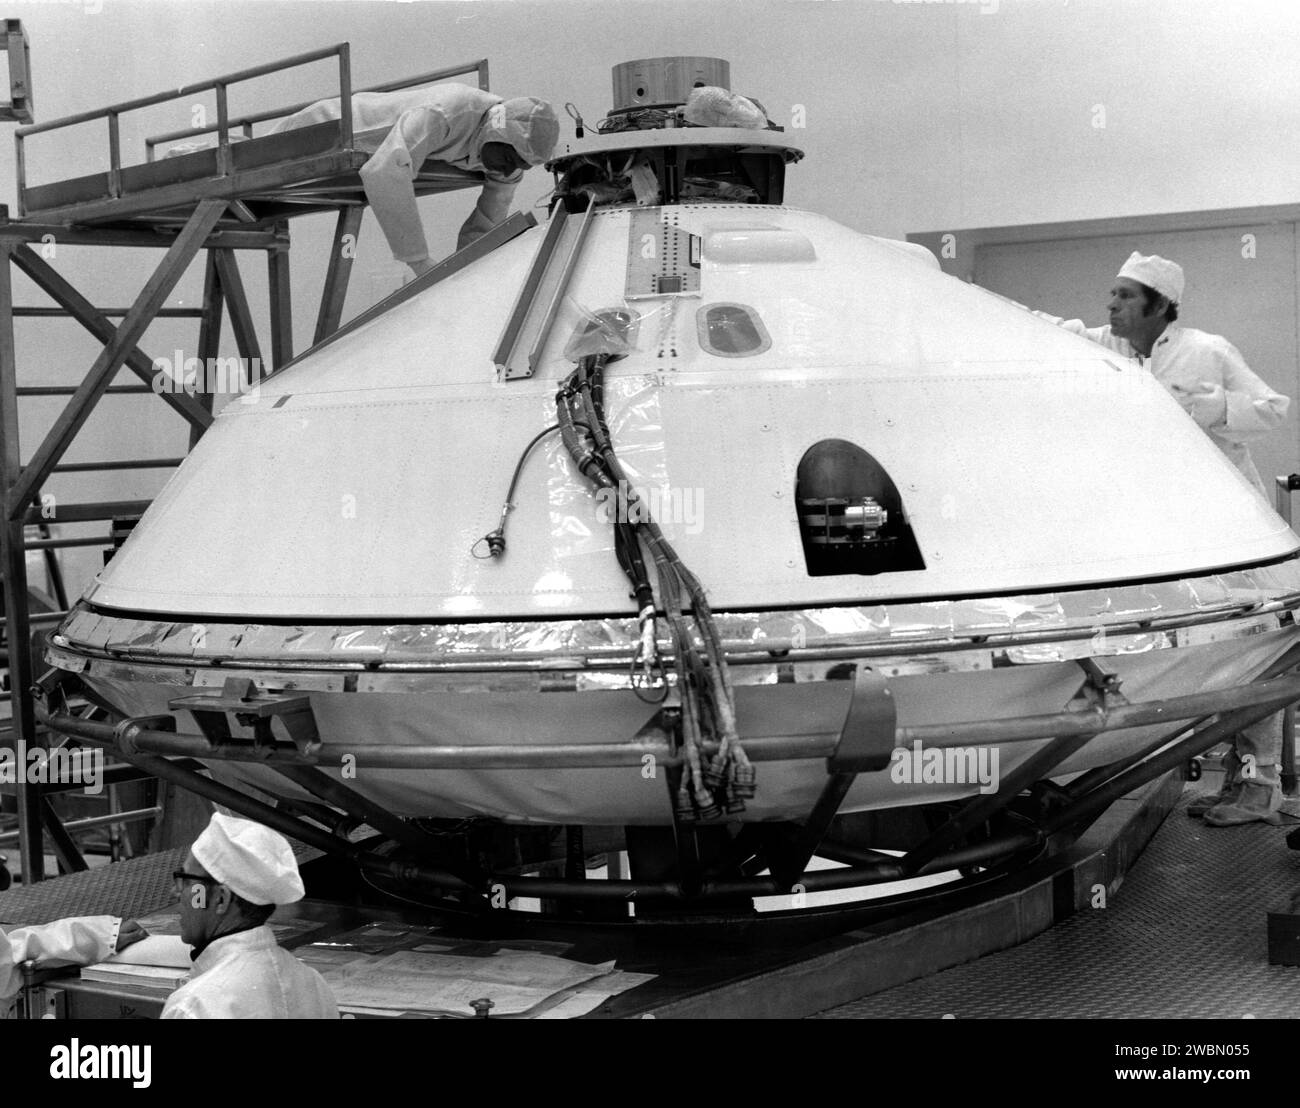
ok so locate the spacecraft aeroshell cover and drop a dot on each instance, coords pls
(353, 486)
(321, 537)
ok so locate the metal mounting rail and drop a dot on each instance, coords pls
(503, 232)
(546, 283)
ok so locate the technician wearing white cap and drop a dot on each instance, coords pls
(77, 941)
(1205, 373)
(236, 873)
(457, 124)
(1208, 376)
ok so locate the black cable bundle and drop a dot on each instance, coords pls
(703, 680)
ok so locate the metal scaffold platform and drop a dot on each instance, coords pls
(236, 195)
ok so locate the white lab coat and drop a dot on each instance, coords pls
(248, 975)
(447, 122)
(1236, 406)
(80, 941)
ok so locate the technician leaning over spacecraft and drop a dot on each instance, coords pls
(1207, 375)
(457, 124)
(77, 941)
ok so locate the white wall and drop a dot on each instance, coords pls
(918, 116)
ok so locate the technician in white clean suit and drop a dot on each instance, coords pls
(236, 873)
(1205, 373)
(1208, 376)
(78, 941)
(457, 124)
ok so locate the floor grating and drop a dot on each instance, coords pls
(1185, 936)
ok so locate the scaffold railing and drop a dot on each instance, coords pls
(197, 202)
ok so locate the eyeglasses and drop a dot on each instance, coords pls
(180, 878)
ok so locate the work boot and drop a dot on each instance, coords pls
(1205, 802)
(1227, 794)
(1257, 800)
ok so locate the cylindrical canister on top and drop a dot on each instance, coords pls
(659, 82)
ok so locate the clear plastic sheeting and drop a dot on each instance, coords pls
(710, 106)
(581, 516)
(612, 332)
(1048, 627)
(617, 331)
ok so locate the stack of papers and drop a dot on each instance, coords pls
(519, 983)
(158, 962)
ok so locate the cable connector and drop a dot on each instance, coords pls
(744, 781)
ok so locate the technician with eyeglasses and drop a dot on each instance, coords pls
(236, 873)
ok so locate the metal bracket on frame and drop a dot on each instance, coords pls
(1101, 680)
(867, 737)
(865, 745)
(253, 708)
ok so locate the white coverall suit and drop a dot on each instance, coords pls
(248, 975)
(79, 941)
(449, 123)
(1236, 406)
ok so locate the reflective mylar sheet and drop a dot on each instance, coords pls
(1182, 611)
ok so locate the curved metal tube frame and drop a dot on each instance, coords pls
(143, 746)
(133, 735)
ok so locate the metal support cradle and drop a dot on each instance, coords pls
(863, 744)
